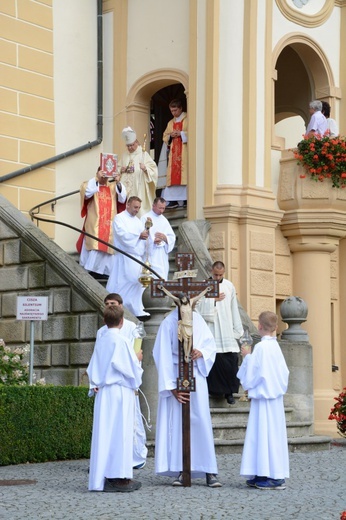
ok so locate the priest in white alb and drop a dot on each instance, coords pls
(114, 375)
(130, 236)
(168, 443)
(161, 238)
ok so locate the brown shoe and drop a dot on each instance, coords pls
(121, 485)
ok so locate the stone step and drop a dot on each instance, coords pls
(302, 444)
(227, 431)
(235, 414)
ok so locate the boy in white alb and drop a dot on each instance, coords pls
(264, 374)
(115, 374)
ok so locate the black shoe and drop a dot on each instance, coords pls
(99, 276)
(172, 205)
(121, 485)
(178, 482)
(212, 481)
(140, 466)
(230, 399)
(145, 317)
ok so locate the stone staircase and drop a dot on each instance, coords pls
(229, 426)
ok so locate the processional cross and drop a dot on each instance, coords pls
(185, 292)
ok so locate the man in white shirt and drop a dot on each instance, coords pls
(318, 124)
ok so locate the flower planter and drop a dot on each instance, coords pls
(295, 192)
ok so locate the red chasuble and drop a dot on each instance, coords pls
(176, 153)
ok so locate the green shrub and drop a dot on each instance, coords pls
(44, 423)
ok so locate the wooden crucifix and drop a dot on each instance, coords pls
(185, 292)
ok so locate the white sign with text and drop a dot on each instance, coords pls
(33, 308)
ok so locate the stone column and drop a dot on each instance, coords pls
(313, 223)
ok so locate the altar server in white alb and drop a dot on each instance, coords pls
(168, 443)
(138, 171)
(128, 329)
(114, 375)
(264, 374)
(129, 236)
(161, 238)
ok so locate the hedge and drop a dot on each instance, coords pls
(44, 423)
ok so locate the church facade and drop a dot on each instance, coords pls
(74, 74)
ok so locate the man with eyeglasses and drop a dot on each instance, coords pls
(138, 171)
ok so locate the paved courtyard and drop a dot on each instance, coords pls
(315, 491)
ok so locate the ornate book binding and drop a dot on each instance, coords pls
(109, 163)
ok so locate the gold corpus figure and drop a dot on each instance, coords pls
(185, 324)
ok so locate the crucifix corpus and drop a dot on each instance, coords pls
(185, 292)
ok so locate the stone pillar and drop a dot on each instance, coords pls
(313, 223)
(158, 308)
(314, 285)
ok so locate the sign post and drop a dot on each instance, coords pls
(32, 308)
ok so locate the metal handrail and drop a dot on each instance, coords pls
(82, 231)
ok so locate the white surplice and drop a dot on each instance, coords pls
(264, 374)
(223, 318)
(140, 450)
(168, 444)
(158, 253)
(115, 370)
(125, 272)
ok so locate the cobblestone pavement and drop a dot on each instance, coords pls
(316, 490)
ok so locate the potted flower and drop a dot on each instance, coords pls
(338, 413)
(323, 157)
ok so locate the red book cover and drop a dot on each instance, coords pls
(109, 163)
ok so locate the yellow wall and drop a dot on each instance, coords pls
(27, 131)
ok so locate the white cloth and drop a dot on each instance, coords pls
(158, 253)
(162, 167)
(115, 370)
(264, 374)
(223, 318)
(138, 183)
(125, 272)
(140, 451)
(168, 444)
(174, 193)
(333, 127)
(318, 123)
(93, 260)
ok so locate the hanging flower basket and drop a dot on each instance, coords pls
(323, 157)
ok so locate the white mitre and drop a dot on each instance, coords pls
(128, 135)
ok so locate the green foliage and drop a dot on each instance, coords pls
(44, 423)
